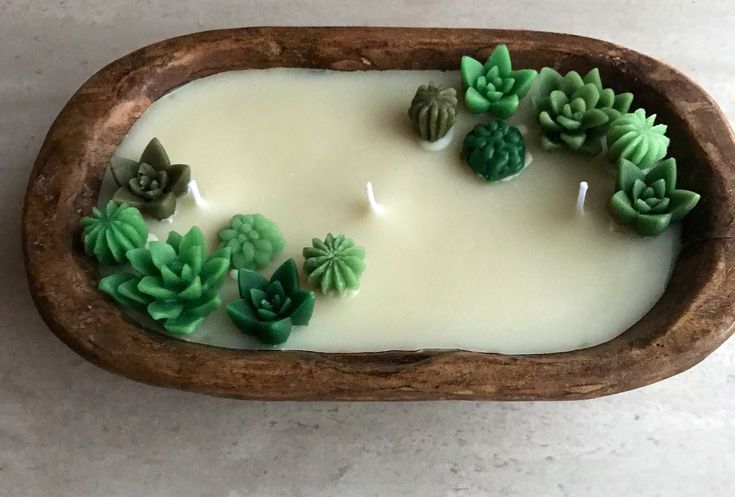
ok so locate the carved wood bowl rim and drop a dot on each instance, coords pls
(695, 315)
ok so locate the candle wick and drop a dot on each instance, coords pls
(374, 205)
(582, 196)
(194, 191)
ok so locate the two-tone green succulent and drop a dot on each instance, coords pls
(253, 239)
(636, 138)
(433, 111)
(152, 183)
(649, 201)
(334, 265)
(576, 111)
(109, 234)
(495, 151)
(176, 282)
(495, 87)
(269, 309)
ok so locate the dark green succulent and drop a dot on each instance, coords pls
(433, 111)
(268, 310)
(495, 151)
(576, 111)
(334, 265)
(253, 239)
(152, 183)
(649, 202)
(176, 282)
(110, 234)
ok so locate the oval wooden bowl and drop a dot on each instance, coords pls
(695, 315)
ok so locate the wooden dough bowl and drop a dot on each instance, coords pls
(695, 315)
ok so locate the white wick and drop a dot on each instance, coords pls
(581, 196)
(194, 191)
(374, 205)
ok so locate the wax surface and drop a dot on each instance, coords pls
(453, 262)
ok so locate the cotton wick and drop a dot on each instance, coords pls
(374, 205)
(194, 191)
(581, 196)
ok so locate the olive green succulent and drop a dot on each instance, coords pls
(268, 310)
(253, 239)
(576, 111)
(495, 151)
(109, 234)
(175, 281)
(152, 183)
(433, 111)
(495, 87)
(636, 138)
(334, 265)
(649, 202)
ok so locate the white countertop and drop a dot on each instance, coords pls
(68, 428)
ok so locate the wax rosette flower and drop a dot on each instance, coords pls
(649, 202)
(334, 265)
(495, 87)
(576, 111)
(433, 111)
(495, 151)
(109, 234)
(636, 138)
(269, 309)
(152, 183)
(254, 241)
(176, 282)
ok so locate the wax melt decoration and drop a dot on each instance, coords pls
(109, 234)
(176, 282)
(495, 87)
(253, 239)
(152, 183)
(334, 265)
(649, 202)
(636, 138)
(576, 111)
(433, 111)
(495, 151)
(268, 310)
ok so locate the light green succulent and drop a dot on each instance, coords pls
(109, 234)
(636, 138)
(334, 265)
(253, 239)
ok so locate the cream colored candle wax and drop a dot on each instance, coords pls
(452, 262)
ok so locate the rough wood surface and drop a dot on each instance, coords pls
(695, 315)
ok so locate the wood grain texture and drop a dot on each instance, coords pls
(695, 315)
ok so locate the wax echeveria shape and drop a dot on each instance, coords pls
(636, 138)
(253, 239)
(152, 183)
(495, 87)
(334, 265)
(433, 111)
(649, 202)
(576, 111)
(176, 282)
(109, 234)
(495, 151)
(269, 310)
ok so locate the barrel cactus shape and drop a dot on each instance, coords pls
(108, 234)
(334, 265)
(433, 111)
(636, 138)
(495, 151)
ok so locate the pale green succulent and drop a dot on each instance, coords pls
(109, 234)
(636, 138)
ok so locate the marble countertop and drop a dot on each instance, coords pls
(68, 428)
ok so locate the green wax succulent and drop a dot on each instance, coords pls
(176, 282)
(636, 138)
(495, 87)
(334, 265)
(109, 234)
(253, 239)
(433, 111)
(268, 310)
(152, 183)
(649, 201)
(576, 111)
(495, 151)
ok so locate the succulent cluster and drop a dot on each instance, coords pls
(649, 201)
(269, 309)
(152, 183)
(334, 265)
(495, 151)
(433, 111)
(576, 111)
(253, 240)
(636, 138)
(176, 282)
(109, 234)
(495, 87)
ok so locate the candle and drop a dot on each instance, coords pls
(456, 263)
